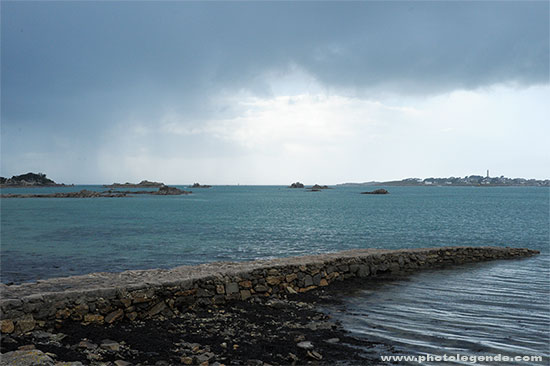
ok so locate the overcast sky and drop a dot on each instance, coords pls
(274, 92)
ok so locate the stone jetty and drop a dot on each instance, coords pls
(109, 298)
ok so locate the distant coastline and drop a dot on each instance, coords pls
(472, 180)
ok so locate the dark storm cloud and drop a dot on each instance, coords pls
(184, 49)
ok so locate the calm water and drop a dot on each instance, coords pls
(498, 307)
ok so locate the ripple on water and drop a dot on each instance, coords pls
(486, 308)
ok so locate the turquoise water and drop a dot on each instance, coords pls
(44, 237)
(487, 308)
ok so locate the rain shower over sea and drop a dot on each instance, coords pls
(484, 308)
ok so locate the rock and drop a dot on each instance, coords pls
(122, 363)
(308, 281)
(232, 288)
(114, 316)
(26, 347)
(291, 277)
(26, 323)
(296, 185)
(26, 358)
(204, 357)
(6, 326)
(110, 345)
(333, 340)
(277, 304)
(245, 284)
(315, 355)
(290, 290)
(299, 338)
(245, 294)
(157, 308)
(186, 360)
(253, 362)
(306, 289)
(293, 357)
(273, 280)
(305, 345)
(260, 288)
(93, 318)
(377, 191)
(87, 345)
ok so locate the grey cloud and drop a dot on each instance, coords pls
(190, 48)
(76, 68)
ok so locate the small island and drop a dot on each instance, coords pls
(377, 191)
(296, 185)
(142, 184)
(29, 180)
(317, 188)
(198, 185)
(84, 193)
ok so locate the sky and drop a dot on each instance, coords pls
(274, 92)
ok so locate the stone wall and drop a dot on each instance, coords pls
(107, 298)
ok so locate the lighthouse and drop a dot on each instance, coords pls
(487, 173)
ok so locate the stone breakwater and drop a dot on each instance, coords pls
(108, 298)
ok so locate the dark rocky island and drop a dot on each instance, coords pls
(296, 185)
(197, 185)
(317, 188)
(142, 184)
(28, 180)
(377, 191)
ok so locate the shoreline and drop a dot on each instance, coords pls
(267, 306)
(260, 332)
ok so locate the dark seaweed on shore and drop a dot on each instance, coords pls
(261, 331)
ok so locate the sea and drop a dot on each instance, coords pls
(493, 308)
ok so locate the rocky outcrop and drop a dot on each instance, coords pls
(170, 191)
(80, 194)
(142, 184)
(28, 180)
(107, 298)
(296, 185)
(162, 191)
(197, 185)
(317, 188)
(377, 191)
